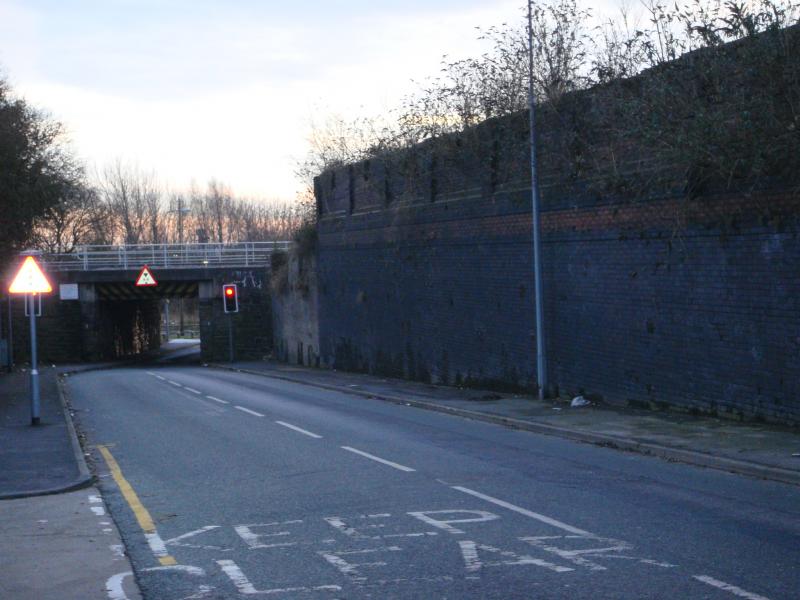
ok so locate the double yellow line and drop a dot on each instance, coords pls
(140, 512)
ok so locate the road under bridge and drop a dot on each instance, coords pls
(96, 312)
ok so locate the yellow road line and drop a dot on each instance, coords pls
(139, 511)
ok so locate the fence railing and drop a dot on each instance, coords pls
(187, 256)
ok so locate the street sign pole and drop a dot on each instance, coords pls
(34, 362)
(29, 283)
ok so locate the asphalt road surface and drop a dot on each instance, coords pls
(227, 485)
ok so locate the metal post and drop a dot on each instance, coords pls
(230, 336)
(166, 313)
(34, 363)
(180, 309)
(10, 337)
(541, 359)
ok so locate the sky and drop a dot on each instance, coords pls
(201, 89)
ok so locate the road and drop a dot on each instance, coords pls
(227, 485)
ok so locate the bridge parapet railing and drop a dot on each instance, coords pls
(187, 256)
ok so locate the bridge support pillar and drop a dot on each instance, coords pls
(90, 322)
(252, 325)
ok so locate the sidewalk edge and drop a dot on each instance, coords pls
(77, 450)
(692, 457)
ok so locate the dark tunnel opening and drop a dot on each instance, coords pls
(134, 321)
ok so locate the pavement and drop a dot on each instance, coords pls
(53, 520)
(760, 450)
(56, 538)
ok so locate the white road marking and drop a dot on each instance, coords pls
(612, 549)
(247, 410)
(156, 544)
(95, 499)
(253, 539)
(161, 378)
(203, 591)
(176, 541)
(469, 550)
(185, 568)
(478, 516)
(350, 569)
(218, 400)
(299, 429)
(150, 373)
(118, 550)
(243, 585)
(98, 510)
(114, 586)
(339, 524)
(736, 591)
(523, 511)
(175, 383)
(194, 391)
(395, 465)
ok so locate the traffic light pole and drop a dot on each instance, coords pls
(34, 362)
(230, 336)
(10, 338)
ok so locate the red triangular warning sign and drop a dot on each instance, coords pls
(145, 278)
(30, 279)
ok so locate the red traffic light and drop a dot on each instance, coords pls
(230, 299)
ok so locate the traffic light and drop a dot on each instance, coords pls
(230, 298)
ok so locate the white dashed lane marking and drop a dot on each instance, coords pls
(247, 410)
(394, 465)
(299, 429)
(736, 591)
(194, 391)
(175, 383)
(221, 401)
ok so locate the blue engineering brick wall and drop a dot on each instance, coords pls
(636, 312)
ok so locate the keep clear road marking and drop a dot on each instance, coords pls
(140, 512)
(736, 591)
(218, 400)
(523, 511)
(378, 459)
(247, 410)
(299, 430)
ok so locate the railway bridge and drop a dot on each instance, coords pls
(96, 311)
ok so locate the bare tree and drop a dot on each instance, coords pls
(134, 200)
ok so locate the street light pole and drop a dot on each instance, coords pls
(181, 210)
(541, 359)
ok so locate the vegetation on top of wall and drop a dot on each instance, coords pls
(703, 96)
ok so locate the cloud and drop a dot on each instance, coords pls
(203, 89)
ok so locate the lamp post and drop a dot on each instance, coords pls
(180, 210)
(541, 359)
